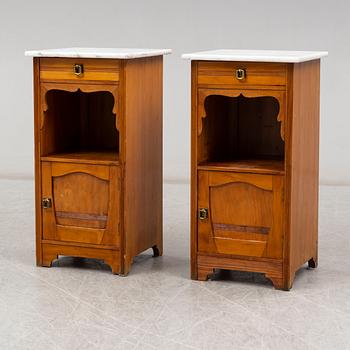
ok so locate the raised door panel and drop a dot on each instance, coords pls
(240, 214)
(83, 203)
(72, 207)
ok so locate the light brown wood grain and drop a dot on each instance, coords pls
(302, 167)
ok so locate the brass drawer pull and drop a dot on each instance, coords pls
(203, 213)
(240, 74)
(78, 69)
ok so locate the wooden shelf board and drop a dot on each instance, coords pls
(101, 157)
(257, 166)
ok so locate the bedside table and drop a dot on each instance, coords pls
(98, 153)
(255, 139)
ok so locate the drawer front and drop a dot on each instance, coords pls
(81, 203)
(77, 70)
(240, 214)
(241, 73)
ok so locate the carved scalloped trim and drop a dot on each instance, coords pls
(264, 183)
(260, 186)
(281, 119)
(248, 94)
(73, 88)
(75, 171)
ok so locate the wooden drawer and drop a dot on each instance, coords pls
(224, 73)
(240, 214)
(63, 69)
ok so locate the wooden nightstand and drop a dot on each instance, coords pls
(255, 135)
(98, 154)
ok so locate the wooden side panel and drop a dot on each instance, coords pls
(38, 218)
(194, 140)
(303, 166)
(143, 95)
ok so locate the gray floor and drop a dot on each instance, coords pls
(79, 304)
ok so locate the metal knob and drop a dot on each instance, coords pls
(203, 213)
(46, 203)
(78, 69)
(240, 74)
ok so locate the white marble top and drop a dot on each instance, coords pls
(256, 55)
(90, 52)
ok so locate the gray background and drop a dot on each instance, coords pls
(184, 26)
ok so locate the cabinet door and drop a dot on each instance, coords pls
(81, 203)
(240, 214)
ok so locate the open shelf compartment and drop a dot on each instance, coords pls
(80, 127)
(241, 134)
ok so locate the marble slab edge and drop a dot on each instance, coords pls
(98, 53)
(255, 56)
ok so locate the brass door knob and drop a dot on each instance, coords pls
(78, 69)
(47, 203)
(203, 213)
(240, 74)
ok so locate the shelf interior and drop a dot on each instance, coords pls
(240, 133)
(79, 123)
